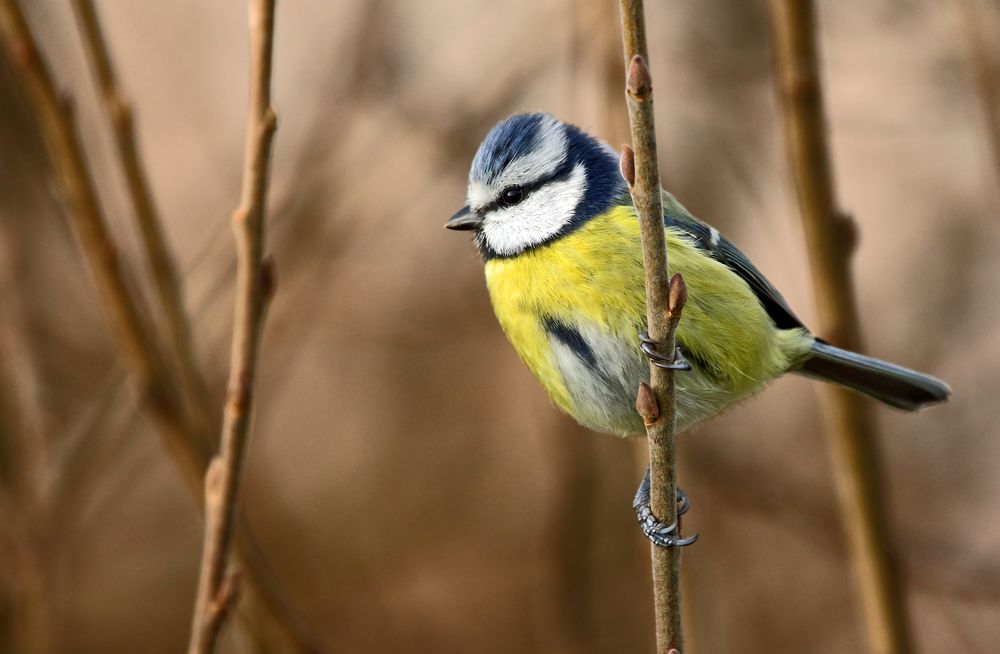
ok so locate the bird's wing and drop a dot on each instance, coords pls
(709, 239)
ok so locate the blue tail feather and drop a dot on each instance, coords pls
(894, 385)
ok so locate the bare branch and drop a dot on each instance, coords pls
(254, 286)
(986, 72)
(641, 170)
(63, 143)
(192, 387)
(188, 444)
(830, 239)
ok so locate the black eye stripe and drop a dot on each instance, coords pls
(562, 172)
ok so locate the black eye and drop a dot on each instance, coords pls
(512, 195)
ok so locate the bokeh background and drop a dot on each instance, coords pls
(411, 484)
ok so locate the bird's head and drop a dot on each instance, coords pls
(533, 180)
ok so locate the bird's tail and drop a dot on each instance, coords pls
(894, 385)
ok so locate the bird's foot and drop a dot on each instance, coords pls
(649, 347)
(660, 534)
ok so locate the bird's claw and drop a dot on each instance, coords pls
(683, 503)
(649, 347)
(663, 535)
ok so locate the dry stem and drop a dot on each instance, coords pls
(55, 118)
(188, 444)
(986, 74)
(254, 286)
(642, 168)
(166, 281)
(830, 238)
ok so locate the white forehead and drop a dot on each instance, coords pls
(547, 154)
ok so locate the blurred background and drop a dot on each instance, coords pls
(409, 481)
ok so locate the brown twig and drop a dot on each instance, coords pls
(28, 623)
(192, 386)
(663, 308)
(25, 430)
(62, 141)
(188, 444)
(986, 73)
(831, 239)
(254, 288)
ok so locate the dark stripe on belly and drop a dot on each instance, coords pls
(572, 339)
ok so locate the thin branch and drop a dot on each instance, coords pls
(188, 444)
(25, 431)
(986, 72)
(831, 238)
(254, 288)
(58, 128)
(28, 626)
(663, 307)
(166, 280)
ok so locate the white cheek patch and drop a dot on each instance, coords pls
(509, 230)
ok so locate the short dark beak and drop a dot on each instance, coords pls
(464, 219)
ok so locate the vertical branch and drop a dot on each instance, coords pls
(166, 281)
(25, 559)
(986, 73)
(55, 117)
(254, 287)
(663, 307)
(830, 239)
(28, 623)
(188, 443)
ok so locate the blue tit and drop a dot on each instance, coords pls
(554, 223)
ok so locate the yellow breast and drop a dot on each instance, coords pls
(594, 277)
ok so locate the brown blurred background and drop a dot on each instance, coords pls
(410, 482)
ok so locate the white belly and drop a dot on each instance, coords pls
(603, 386)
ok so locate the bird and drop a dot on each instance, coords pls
(554, 223)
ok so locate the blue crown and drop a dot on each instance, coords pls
(508, 140)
